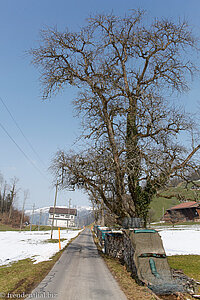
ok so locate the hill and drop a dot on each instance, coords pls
(85, 215)
(158, 206)
(174, 196)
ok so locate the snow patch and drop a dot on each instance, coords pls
(181, 240)
(16, 245)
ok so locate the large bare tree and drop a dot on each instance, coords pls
(126, 71)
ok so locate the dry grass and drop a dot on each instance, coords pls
(128, 285)
(22, 276)
(5, 227)
(131, 289)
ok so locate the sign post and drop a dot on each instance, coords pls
(59, 238)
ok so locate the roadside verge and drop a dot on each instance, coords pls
(21, 277)
(128, 285)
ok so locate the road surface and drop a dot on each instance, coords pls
(80, 274)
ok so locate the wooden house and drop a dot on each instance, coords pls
(186, 211)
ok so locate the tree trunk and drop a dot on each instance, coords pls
(133, 155)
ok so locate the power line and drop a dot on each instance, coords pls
(17, 125)
(21, 150)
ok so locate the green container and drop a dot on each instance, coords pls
(144, 231)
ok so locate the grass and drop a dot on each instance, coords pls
(189, 264)
(54, 240)
(4, 227)
(159, 204)
(23, 276)
(189, 223)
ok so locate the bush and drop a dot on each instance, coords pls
(14, 219)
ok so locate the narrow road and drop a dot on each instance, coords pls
(80, 274)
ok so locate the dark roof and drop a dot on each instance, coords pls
(184, 205)
(62, 210)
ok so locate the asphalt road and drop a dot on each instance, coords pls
(80, 274)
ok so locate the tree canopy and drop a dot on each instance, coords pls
(126, 71)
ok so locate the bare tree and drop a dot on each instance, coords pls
(126, 71)
(13, 193)
(4, 197)
(91, 170)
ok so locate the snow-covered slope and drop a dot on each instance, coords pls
(16, 245)
(28, 212)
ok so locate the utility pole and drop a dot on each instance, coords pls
(32, 216)
(40, 219)
(54, 209)
(46, 220)
(77, 218)
(102, 214)
(70, 203)
(22, 216)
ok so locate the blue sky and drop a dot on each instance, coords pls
(51, 125)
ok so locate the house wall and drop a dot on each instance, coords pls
(166, 217)
(182, 215)
(61, 221)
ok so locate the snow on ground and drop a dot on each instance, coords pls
(16, 245)
(181, 240)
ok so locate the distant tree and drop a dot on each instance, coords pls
(126, 72)
(12, 194)
(8, 194)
